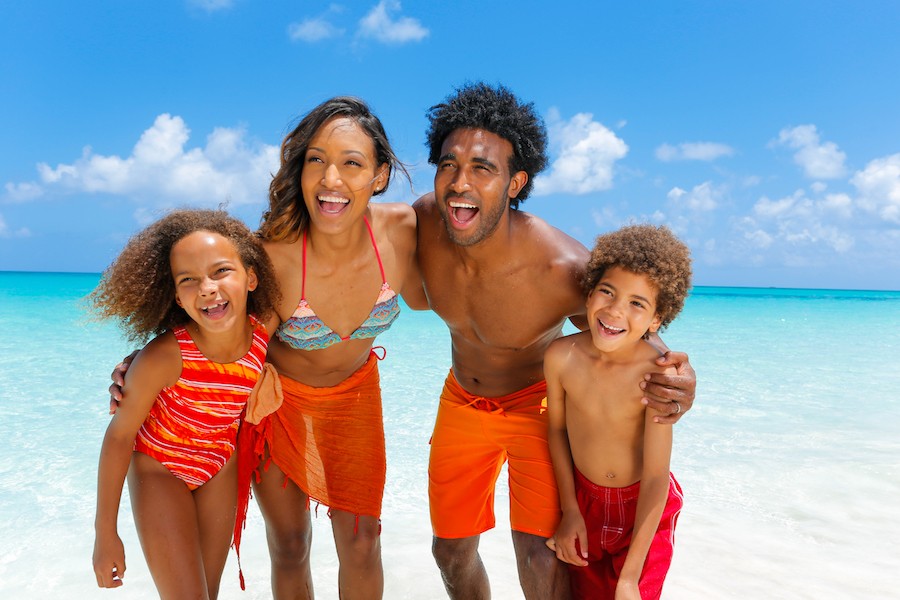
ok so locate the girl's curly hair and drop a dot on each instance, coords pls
(138, 289)
(646, 250)
(287, 215)
(480, 106)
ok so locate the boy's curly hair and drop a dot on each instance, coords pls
(480, 106)
(138, 289)
(646, 250)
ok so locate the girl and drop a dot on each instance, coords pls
(192, 280)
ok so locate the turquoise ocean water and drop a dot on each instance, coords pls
(790, 460)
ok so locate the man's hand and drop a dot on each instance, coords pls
(670, 395)
(118, 381)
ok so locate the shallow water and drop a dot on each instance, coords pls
(790, 459)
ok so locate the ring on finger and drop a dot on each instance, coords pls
(677, 407)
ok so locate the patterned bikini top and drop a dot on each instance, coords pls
(304, 330)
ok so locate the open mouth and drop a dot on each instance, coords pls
(609, 329)
(332, 204)
(462, 212)
(216, 310)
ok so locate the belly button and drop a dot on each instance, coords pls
(610, 475)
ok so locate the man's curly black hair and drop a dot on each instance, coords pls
(480, 106)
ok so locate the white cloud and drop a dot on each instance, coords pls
(587, 152)
(704, 197)
(211, 5)
(6, 232)
(379, 25)
(758, 238)
(819, 160)
(707, 151)
(839, 204)
(879, 187)
(160, 168)
(799, 221)
(23, 192)
(313, 30)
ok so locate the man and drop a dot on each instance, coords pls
(504, 282)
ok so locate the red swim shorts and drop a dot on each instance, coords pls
(473, 437)
(609, 516)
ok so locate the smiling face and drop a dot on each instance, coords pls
(340, 173)
(473, 184)
(211, 283)
(621, 309)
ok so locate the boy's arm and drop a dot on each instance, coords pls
(652, 497)
(148, 374)
(571, 527)
(670, 392)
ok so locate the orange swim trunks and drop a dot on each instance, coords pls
(330, 441)
(473, 437)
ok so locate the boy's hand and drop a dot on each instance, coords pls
(109, 561)
(627, 589)
(670, 395)
(570, 536)
(118, 380)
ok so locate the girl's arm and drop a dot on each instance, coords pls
(571, 527)
(157, 365)
(651, 500)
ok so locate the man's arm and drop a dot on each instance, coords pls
(670, 395)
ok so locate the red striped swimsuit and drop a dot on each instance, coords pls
(192, 427)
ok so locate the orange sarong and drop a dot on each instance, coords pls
(330, 441)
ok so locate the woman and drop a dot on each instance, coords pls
(340, 263)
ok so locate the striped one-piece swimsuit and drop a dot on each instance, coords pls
(192, 427)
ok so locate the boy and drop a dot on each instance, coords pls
(617, 536)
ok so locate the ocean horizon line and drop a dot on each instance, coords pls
(699, 288)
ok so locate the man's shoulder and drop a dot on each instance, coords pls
(395, 213)
(425, 203)
(549, 241)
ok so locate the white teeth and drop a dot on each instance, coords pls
(461, 205)
(611, 328)
(335, 199)
(209, 308)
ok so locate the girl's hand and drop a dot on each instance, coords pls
(570, 537)
(109, 561)
(627, 590)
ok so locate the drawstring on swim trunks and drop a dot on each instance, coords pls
(485, 404)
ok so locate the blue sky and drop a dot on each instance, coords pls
(765, 133)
